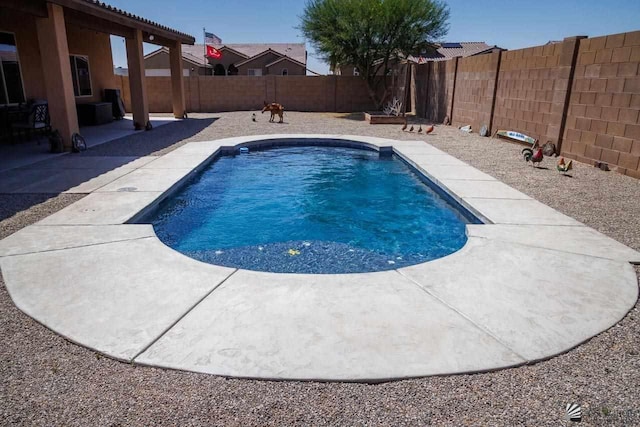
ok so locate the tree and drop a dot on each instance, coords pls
(371, 34)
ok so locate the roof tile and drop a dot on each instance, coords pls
(445, 53)
(297, 51)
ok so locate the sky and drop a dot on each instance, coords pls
(510, 24)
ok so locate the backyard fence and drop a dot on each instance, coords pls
(583, 94)
(233, 93)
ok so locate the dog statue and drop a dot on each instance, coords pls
(274, 108)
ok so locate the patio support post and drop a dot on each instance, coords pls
(177, 80)
(54, 51)
(135, 62)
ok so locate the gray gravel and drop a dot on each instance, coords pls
(45, 380)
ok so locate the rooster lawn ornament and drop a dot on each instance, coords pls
(535, 157)
(563, 166)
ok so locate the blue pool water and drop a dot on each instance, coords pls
(309, 210)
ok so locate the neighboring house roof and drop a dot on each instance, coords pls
(285, 58)
(296, 51)
(196, 53)
(443, 52)
(195, 60)
(228, 49)
(450, 50)
(261, 54)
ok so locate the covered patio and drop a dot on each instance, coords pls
(60, 51)
(25, 153)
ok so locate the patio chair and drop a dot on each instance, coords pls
(37, 120)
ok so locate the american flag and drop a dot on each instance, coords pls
(210, 38)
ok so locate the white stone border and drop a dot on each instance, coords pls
(530, 284)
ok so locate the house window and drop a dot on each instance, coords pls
(11, 88)
(356, 72)
(254, 72)
(80, 75)
(285, 72)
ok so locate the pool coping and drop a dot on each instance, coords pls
(527, 295)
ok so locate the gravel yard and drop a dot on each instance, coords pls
(46, 380)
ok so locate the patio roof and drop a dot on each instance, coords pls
(99, 16)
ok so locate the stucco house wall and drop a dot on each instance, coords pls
(24, 28)
(260, 62)
(227, 59)
(160, 61)
(96, 46)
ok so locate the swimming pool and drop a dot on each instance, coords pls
(473, 311)
(310, 209)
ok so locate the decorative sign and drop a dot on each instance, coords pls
(214, 53)
(516, 135)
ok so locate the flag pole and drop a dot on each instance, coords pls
(204, 49)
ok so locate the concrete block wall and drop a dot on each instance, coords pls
(435, 87)
(122, 83)
(475, 90)
(192, 96)
(583, 94)
(159, 94)
(232, 93)
(421, 75)
(305, 93)
(603, 120)
(352, 95)
(532, 89)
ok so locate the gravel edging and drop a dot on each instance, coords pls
(46, 380)
(19, 210)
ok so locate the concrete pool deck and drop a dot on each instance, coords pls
(505, 299)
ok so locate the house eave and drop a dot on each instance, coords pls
(163, 35)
